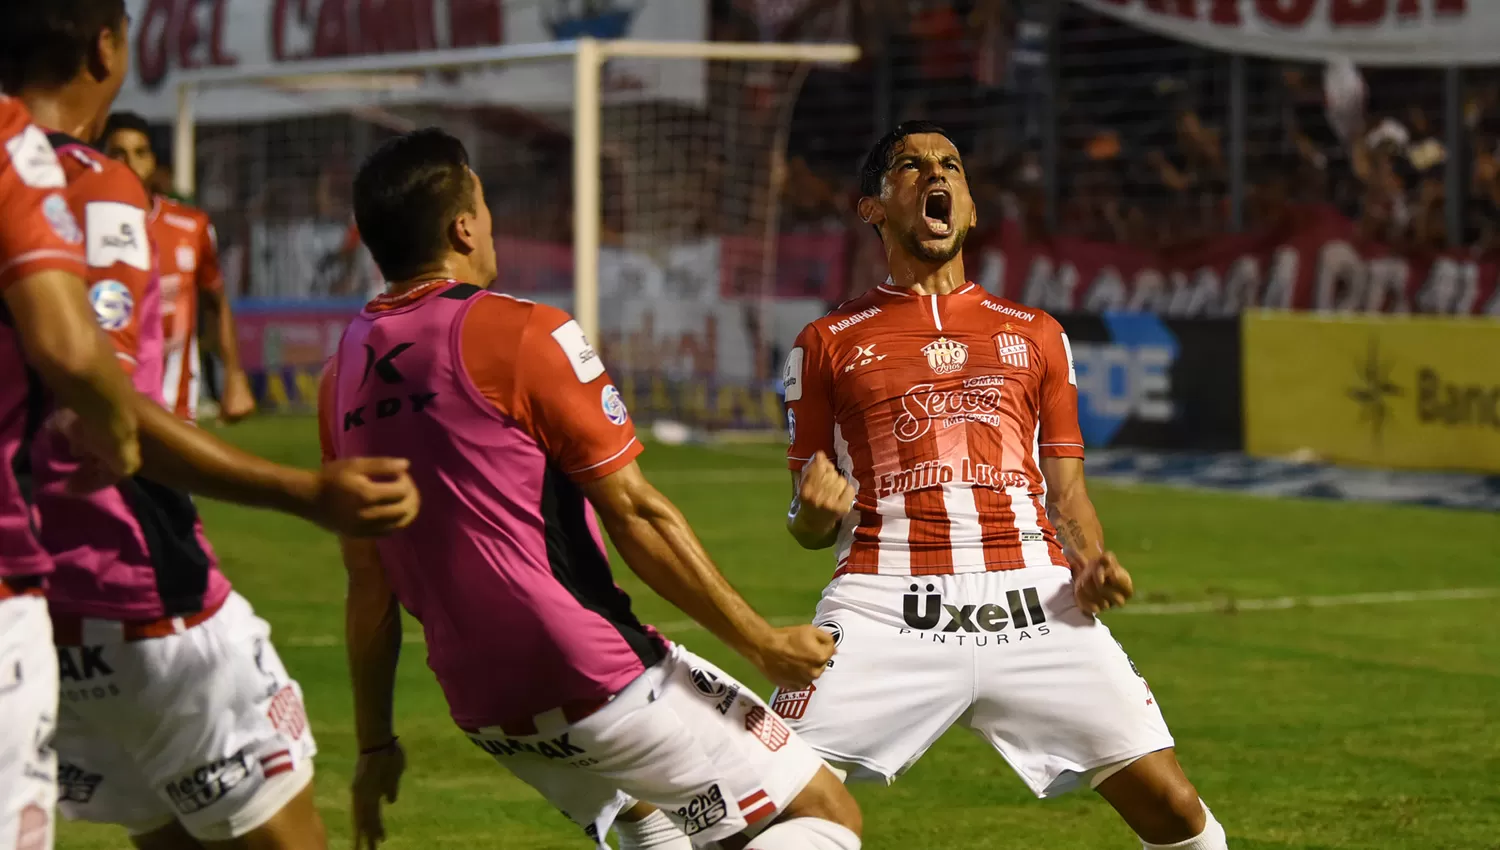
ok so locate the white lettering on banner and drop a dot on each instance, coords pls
(922, 404)
(1120, 382)
(1367, 32)
(848, 322)
(171, 36)
(935, 473)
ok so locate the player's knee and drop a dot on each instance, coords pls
(826, 798)
(1180, 805)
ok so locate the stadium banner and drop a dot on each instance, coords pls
(1410, 33)
(701, 363)
(169, 36)
(1315, 259)
(1151, 382)
(1406, 392)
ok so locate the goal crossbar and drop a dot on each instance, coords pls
(588, 56)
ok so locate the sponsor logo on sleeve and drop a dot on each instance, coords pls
(34, 160)
(61, 220)
(116, 234)
(114, 306)
(767, 727)
(704, 811)
(791, 375)
(196, 791)
(580, 352)
(1068, 350)
(614, 405)
(187, 258)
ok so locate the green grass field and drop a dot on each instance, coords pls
(1358, 726)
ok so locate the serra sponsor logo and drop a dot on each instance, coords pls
(976, 402)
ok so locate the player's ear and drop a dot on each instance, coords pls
(465, 232)
(871, 211)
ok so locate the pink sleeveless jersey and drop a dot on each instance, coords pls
(135, 551)
(503, 409)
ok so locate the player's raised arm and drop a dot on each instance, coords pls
(821, 496)
(1099, 580)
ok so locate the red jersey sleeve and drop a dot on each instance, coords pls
(121, 268)
(552, 382)
(326, 413)
(210, 276)
(808, 379)
(38, 231)
(1060, 435)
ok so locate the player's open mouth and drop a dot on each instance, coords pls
(937, 211)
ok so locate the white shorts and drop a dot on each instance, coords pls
(28, 713)
(1008, 655)
(684, 736)
(203, 727)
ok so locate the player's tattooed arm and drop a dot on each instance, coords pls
(1099, 582)
(657, 543)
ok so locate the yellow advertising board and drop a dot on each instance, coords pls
(1391, 391)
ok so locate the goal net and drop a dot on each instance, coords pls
(637, 184)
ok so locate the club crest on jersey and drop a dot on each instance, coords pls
(61, 220)
(946, 356)
(793, 704)
(1012, 350)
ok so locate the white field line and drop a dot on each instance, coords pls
(1214, 606)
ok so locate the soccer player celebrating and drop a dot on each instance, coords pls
(187, 260)
(929, 421)
(177, 719)
(49, 333)
(518, 437)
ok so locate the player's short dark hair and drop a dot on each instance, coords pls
(125, 121)
(878, 160)
(406, 195)
(46, 42)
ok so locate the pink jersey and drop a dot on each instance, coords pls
(37, 233)
(504, 409)
(136, 550)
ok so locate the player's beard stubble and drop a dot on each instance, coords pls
(939, 254)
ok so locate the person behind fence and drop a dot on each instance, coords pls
(935, 448)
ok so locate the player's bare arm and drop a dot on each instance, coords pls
(656, 542)
(1099, 582)
(358, 497)
(821, 498)
(372, 629)
(62, 342)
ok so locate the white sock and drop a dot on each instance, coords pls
(805, 834)
(655, 830)
(1211, 838)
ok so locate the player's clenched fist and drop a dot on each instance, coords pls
(366, 496)
(1101, 584)
(824, 495)
(793, 657)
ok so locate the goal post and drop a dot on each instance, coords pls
(588, 58)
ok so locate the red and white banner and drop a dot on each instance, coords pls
(1315, 261)
(168, 37)
(1413, 33)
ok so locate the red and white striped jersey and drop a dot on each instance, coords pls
(938, 408)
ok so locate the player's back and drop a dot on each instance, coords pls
(505, 566)
(37, 232)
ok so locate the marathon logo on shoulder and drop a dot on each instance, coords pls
(210, 783)
(556, 748)
(1021, 618)
(704, 811)
(848, 322)
(710, 686)
(1008, 311)
(76, 785)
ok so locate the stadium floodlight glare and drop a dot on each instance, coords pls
(400, 72)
